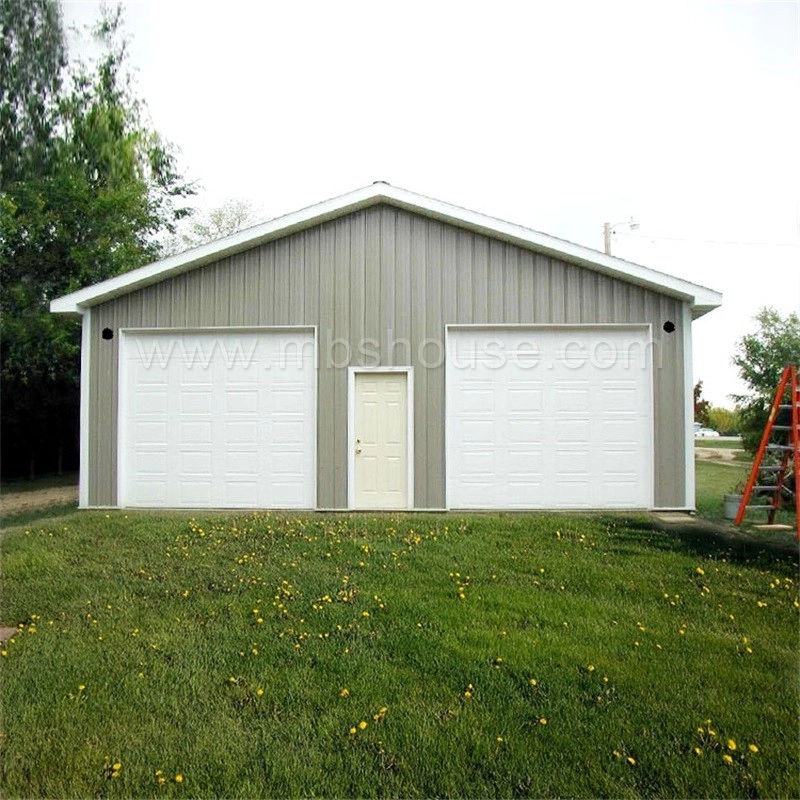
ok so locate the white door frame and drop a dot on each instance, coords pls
(351, 424)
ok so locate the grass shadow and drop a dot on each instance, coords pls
(31, 515)
(706, 539)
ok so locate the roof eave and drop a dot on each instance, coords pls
(701, 300)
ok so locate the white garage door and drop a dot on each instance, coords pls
(222, 419)
(549, 418)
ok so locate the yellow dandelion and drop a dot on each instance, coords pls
(117, 766)
(179, 778)
(468, 694)
(352, 731)
(727, 759)
(632, 761)
(259, 692)
(752, 748)
(590, 668)
(617, 754)
(363, 724)
(699, 571)
(543, 720)
(81, 687)
(699, 750)
(534, 682)
(344, 693)
(731, 744)
(499, 739)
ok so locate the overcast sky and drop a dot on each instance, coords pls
(554, 115)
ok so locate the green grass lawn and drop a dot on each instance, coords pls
(720, 444)
(348, 655)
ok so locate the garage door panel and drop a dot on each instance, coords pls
(572, 431)
(192, 433)
(151, 493)
(150, 462)
(195, 463)
(227, 419)
(150, 432)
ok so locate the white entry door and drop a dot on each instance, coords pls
(379, 440)
(218, 418)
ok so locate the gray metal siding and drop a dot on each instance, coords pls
(377, 274)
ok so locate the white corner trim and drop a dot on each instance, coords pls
(83, 417)
(701, 298)
(688, 397)
(351, 425)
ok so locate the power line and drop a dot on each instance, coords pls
(705, 241)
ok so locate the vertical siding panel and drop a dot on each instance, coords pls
(542, 304)
(372, 284)
(357, 285)
(296, 282)
(340, 267)
(402, 355)
(266, 292)
(236, 292)
(251, 288)
(464, 272)
(526, 305)
(178, 301)
(558, 292)
(620, 299)
(328, 416)
(387, 254)
(104, 401)
(449, 278)
(311, 279)
(511, 284)
(422, 419)
(573, 294)
(480, 280)
(282, 270)
(496, 277)
(589, 311)
(194, 297)
(604, 301)
(435, 396)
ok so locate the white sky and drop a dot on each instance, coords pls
(554, 115)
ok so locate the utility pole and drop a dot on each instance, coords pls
(608, 229)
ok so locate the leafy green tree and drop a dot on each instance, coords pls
(761, 356)
(86, 188)
(724, 420)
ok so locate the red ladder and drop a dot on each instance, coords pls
(787, 451)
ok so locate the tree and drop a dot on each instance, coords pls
(761, 356)
(724, 420)
(700, 406)
(32, 61)
(85, 189)
(229, 218)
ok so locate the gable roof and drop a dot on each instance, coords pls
(701, 299)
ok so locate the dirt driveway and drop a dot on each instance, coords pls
(16, 502)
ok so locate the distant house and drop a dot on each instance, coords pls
(387, 350)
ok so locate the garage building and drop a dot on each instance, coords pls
(386, 350)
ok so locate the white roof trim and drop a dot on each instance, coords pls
(701, 299)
